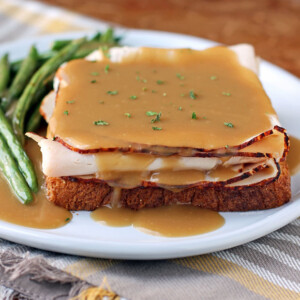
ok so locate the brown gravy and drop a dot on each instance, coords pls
(40, 213)
(206, 94)
(169, 221)
(293, 158)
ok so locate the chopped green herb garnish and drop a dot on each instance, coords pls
(164, 94)
(226, 94)
(204, 118)
(193, 95)
(138, 78)
(179, 108)
(95, 73)
(66, 112)
(182, 95)
(53, 139)
(144, 80)
(180, 76)
(70, 102)
(227, 146)
(106, 69)
(153, 91)
(156, 128)
(93, 81)
(101, 123)
(157, 118)
(133, 97)
(194, 116)
(144, 89)
(228, 124)
(112, 92)
(128, 115)
(151, 113)
(160, 82)
(181, 84)
(213, 77)
(107, 54)
(67, 219)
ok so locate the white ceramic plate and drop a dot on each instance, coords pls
(83, 236)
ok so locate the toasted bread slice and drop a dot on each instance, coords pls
(79, 194)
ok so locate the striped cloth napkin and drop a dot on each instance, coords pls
(266, 268)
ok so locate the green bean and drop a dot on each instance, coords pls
(34, 120)
(59, 44)
(28, 67)
(36, 83)
(12, 174)
(4, 73)
(96, 37)
(86, 49)
(108, 36)
(43, 57)
(24, 163)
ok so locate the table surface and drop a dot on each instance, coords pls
(272, 26)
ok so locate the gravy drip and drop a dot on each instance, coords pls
(293, 157)
(168, 221)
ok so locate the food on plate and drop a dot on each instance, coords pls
(146, 127)
(23, 84)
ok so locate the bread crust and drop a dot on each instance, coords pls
(79, 194)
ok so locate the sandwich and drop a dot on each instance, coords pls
(146, 127)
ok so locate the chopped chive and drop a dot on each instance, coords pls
(145, 80)
(182, 95)
(164, 94)
(226, 94)
(227, 146)
(138, 78)
(93, 81)
(67, 219)
(228, 124)
(70, 102)
(153, 91)
(156, 128)
(133, 97)
(213, 77)
(53, 139)
(193, 95)
(160, 82)
(194, 116)
(144, 89)
(112, 92)
(128, 115)
(157, 118)
(66, 112)
(151, 113)
(180, 76)
(107, 55)
(101, 123)
(95, 73)
(204, 118)
(106, 69)
(179, 108)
